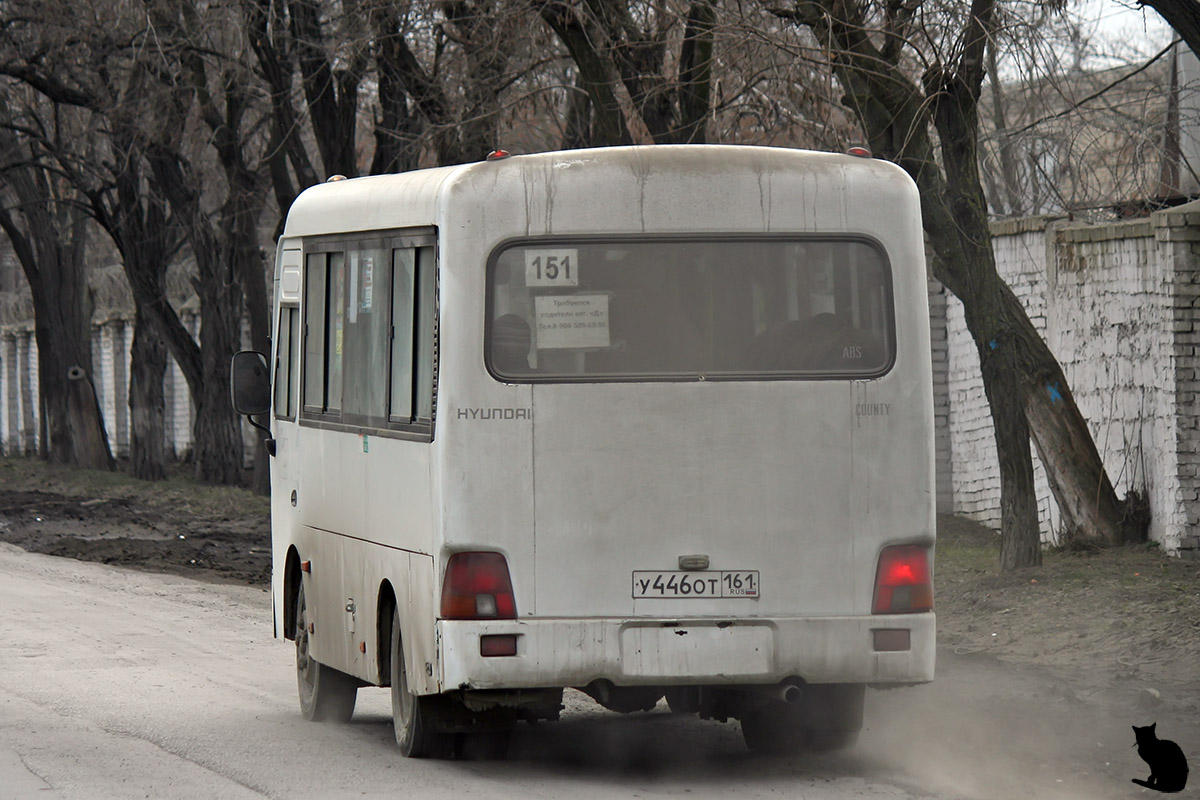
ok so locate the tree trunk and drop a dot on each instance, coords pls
(51, 252)
(609, 127)
(398, 130)
(146, 235)
(147, 436)
(1020, 536)
(254, 283)
(218, 431)
(75, 432)
(330, 86)
(695, 72)
(999, 362)
(1087, 503)
(577, 130)
(1012, 190)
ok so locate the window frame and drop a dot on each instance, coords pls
(414, 428)
(562, 241)
(287, 364)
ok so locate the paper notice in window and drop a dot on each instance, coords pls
(579, 320)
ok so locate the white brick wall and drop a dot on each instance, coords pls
(111, 345)
(1118, 305)
(941, 396)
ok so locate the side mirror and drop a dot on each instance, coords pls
(250, 383)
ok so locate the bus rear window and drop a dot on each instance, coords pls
(597, 310)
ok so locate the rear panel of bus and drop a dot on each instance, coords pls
(690, 403)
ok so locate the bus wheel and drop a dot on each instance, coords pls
(774, 731)
(836, 714)
(413, 716)
(828, 717)
(326, 695)
(683, 699)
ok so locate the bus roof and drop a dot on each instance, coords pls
(415, 198)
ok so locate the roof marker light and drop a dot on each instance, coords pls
(335, 178)
(859, 151)
(498, 154)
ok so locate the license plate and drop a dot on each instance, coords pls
(695, 584)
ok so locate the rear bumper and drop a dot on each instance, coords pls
(631, 652)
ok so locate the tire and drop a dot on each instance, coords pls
(326, 695)
(828, 717)
(629, 699)
(774, 731)
(413, 716)
(683, 699)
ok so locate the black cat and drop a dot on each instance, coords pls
(1168, 767)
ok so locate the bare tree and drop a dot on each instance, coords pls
(200, 64)
(146, 235)
(44, 220)
(1059, 135)
(929, 125)
(124, 75)
(659, 55)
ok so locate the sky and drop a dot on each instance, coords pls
(1124, 28)
(1117, 33)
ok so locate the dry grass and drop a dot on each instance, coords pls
(1129, 610)
(179, 493)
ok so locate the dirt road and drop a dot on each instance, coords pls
(116, 683)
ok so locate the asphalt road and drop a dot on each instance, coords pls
(123, 684)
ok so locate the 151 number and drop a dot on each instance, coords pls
(548, 268)
(557, 267)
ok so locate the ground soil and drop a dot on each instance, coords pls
(175, 526)
(1128, 613)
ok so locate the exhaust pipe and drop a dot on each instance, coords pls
(789, 693)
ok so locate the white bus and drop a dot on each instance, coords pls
(640, 421)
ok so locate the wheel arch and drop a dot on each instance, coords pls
(291, 589)
(385, 607)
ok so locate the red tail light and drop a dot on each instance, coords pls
(902, 583)
(477, 586)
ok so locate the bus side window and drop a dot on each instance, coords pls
(335, 331)
(426, 339)
(314, 332)
(400, 407)
(365, 335)
(324, 315)
(285, 363)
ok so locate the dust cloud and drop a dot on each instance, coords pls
(986, 730)
(982, 731)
